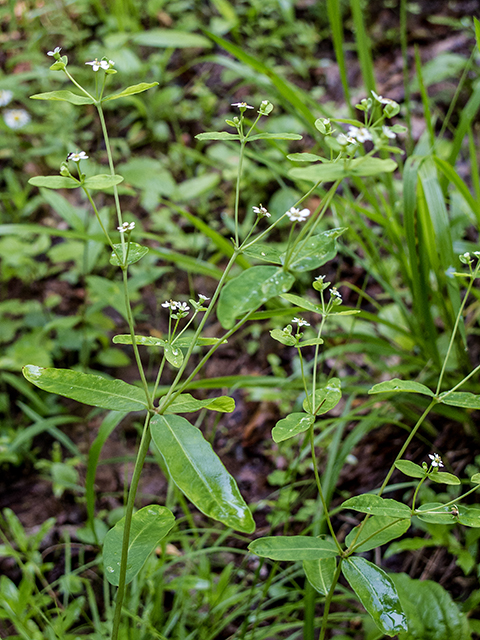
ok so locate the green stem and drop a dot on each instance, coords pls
(237, 189)
(328, 600)
(97, 215)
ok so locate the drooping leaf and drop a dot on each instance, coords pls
(376, 505)
(326, 397)
(291, 425)
(149, 526)
(249, 290)
(377, 593)
(135, 253)
(410, 469)
(401, 386)
(174, 355)
(186, 403)
(379, 530)
(64, 96)
(102, 181)
(461, 399)
(436, 513)
(199, 473)
(360, 167)
(54, 182)
(316, 251)
(293, 548)
(130, 91)
(87, 388)
(320, 573)
(217, 135)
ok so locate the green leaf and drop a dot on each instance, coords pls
(149, 526)
(54, 182)
(274, 136)
(320, 573)
(379, 530)
(475, 478)
(443, 478)
(64, 96)
(199, 473)
(217, 135)
(302, 303)
(87, 388)
(130, 91)
(264, 252)
(305, 157)
(375, 505)
(410, 469)
(293, 548)
(102, 181)
(469, 516)
(400, 386)
(135, 253)
(315, 251)
(460, 399)
(360, 167)
(186, 403)
(310, 343)
(430, 611)
(166, 38)
(435, 513)
(249, 290)
(326, 397)
(174, 355)
(291, 425)
(283, 337)
(146, 341)
(377, 593)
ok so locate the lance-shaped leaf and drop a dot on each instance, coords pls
(410, 469)
(375, 505)
(102, 181)
(264, 252)
(377, 593)
(199, 473)
(135, 253)
(146, 341)
(249, 290)
(149, 526)
(302, 303)
(130, 91)
(217, 135)
(326, 397)
(399, 386)
(186, 403)
(293, 548)
(54, 182)
(443, 478)
(291, 425)
(315, 251)
(436, 513)
(63, 96)
(337, 170)
(305, 157)
(87, 388)
(274, 136)
(461, 399)
(376, 531)
(320, 573)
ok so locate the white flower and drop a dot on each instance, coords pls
(301, 322)
(202, 297)
(241, 105)
(126, 226)
(261, 211)
(16, 118)
(383, 100)
(170, 304)
(362, 134)
(336, 296)
(436, 460)
(100, 64)
(76, 157)
(295, 214)
(183, 306)
(5, 97)
(55, 51)
(388, 132)
(345, 140)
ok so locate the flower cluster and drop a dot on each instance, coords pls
(436, 460)
(101, 64)
(176, 306)
(126, 226)
(297, 214)
(241, 105)
(360, 135)
(77, 156)
(335, 296)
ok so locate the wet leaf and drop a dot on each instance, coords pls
(398, 386)
(291, 425)
(410, 469)
(381, 528)
(461, 399)
(186, 403)
(375, 505)
(326, 397)
(320, 573)
(135, 253)
(293, 548)
(315, 251)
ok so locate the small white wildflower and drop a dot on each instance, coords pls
(54, 52)
(261, 211)
(76, 157)
(241, 105)
(126, 226)
(170, 304)
(202, 297)
(5, 97)
(297, 215)
(301, 322)
(345, 140)
(100, 64)
(383, 100)
(362, 134)
(436, 460)
(336, 296)
(16, 118)
(387, 132)
(183, 306)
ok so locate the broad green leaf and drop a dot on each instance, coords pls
(377, 593)
(443, 478)
(146, 341)
(360, 167)
(54, 182)
(174, 355)
(87, 388)
(411, 469)
(401, 386)
(283, 337)
(200, 341)
(310, 343)
(315, 251)
(217, 135)
(435, 513)
(102, 181)
(293, 548)
(149, 526)
(275, 136)
(264, 252)
(461, 399)
(199, 472)
(475, 478)
(388, 528)
(430, 611)
(166, 38)
(64, 96)
(135, 253)
(130, 91)
(186, 403)
(375, 505)
(291, 425)
(320, 573)
(249, 290)
(326, 397)
(469, 516)
(302, 302)
(305, 157)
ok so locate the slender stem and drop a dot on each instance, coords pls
(90, 199)
(416, 492)
(472, 373)
(72, 79)
(311, 410)
(237, 190)
(328, 600)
